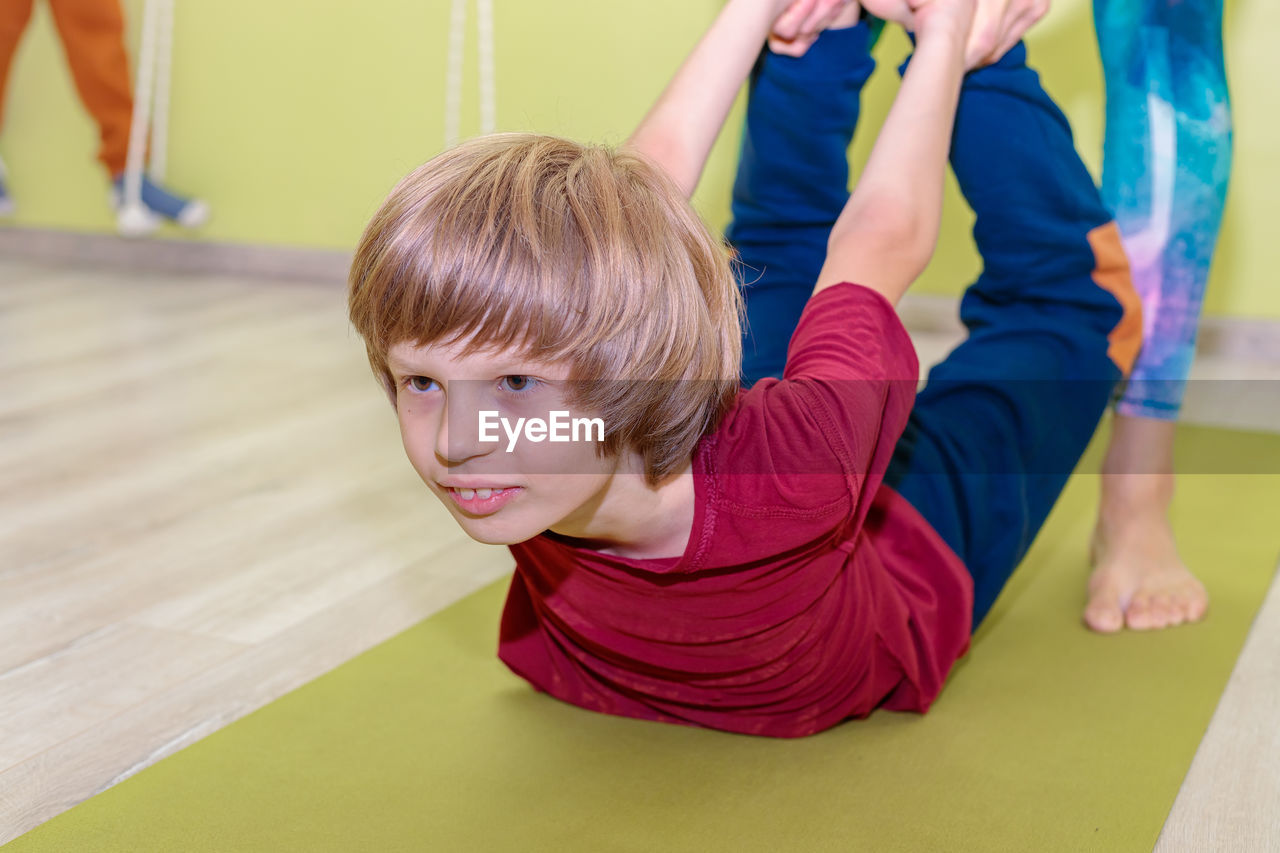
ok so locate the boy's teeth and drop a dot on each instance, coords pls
(483, 493)
(466, 494)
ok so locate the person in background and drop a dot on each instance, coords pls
(1165, 169)
(92, 33)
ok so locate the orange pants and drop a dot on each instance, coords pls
(92, 33)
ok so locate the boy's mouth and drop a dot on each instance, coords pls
(482, 501)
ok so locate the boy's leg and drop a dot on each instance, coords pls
(792, 183)
(1053, 324)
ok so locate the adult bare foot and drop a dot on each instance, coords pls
(1138, 579)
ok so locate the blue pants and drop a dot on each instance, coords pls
(1053, 320)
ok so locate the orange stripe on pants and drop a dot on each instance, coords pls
(92, 33)
(1111, 273)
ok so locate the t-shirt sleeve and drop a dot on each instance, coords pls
(851, 356)
(838, 410)
(851, 332)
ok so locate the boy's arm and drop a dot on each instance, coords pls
(886, 234)
(680, 128)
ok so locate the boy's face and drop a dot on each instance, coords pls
(461, 422)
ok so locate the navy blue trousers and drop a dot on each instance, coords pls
(1053, 321)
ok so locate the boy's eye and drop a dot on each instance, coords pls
(421, 383)
(519, 382)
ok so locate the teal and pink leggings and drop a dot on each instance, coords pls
(1166, 163)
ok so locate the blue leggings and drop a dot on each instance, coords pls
(1053, 320)
(1166, 162)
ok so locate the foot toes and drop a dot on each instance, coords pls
(1104, 612)
(1164, 611)
(1194, 602)
(1141, 614)
(1196, 608)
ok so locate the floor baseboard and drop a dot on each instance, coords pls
(1233, 338)
(1230, 338)
(147, 254)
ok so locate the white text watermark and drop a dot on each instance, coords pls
(559, 428)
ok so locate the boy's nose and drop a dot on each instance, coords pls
(458, 438)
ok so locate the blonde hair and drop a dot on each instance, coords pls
(561, 251)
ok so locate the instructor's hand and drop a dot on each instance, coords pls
(949, 19)
(797, 28)
(997, 26)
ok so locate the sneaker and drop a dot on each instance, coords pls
(158, 204)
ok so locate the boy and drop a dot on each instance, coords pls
(735, 559)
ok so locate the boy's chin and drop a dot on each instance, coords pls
(493, 535)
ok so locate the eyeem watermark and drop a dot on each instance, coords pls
(560, 428)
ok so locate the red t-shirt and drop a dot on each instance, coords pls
(809, 591)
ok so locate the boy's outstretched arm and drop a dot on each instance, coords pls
(887, 232)
(678, 131)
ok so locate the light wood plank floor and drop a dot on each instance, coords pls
(204, 504)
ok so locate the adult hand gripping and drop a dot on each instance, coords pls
(998, 25)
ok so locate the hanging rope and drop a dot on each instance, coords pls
(142, 94)
(453, 71)
(151, 90)
(164, 67)
(484, 33)
(453, 74)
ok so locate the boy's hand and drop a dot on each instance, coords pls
(802, 21)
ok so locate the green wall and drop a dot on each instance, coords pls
(294, 118)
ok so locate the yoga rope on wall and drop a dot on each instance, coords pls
(164, 67)
(453, 73)
(151, 90)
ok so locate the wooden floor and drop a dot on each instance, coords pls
(205, 505)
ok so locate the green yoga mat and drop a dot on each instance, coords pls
(1047, 737)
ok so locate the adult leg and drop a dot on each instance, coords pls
(92, 33)
(1053, 325)
(792, 182)
(14, 15)
(1167, 159)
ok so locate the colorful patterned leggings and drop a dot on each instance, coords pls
(1166, 163)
